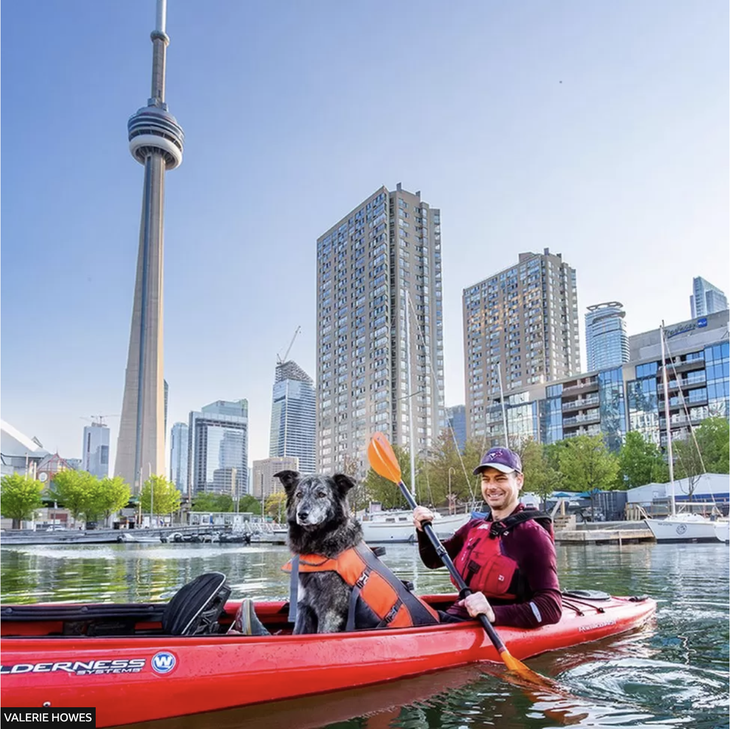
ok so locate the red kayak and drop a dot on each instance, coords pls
(122, 659)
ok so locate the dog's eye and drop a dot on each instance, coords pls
(321, 494)
(299, 494)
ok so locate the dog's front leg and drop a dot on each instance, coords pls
(306, 620)
(331, 622)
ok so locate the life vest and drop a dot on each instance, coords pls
(482, 563)
(378, 599)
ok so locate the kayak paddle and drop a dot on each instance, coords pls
(385, 464)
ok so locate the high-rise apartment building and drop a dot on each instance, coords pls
(179, 457)
(379, 328)
(218, 449)
(95, 450)
(263, 483)
(456, 420)
(520, 328)
(607, 343)
(706, 298)
(294, 416)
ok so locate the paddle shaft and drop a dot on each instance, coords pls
(444, 557)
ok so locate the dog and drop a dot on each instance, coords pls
(319, 521)
(340, 583)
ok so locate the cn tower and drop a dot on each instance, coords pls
(155, 141)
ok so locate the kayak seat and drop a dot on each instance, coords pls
(196, 607)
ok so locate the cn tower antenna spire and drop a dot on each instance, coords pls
(155, 141)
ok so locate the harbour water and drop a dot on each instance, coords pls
(671, 674)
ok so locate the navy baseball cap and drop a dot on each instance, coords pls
(503, 459)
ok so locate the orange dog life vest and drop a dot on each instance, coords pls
(372, 583)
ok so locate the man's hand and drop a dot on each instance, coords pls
(476, 604)
(421, 515)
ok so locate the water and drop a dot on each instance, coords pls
(669, 675)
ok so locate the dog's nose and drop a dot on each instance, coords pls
(303, 515)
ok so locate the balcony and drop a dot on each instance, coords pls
(583, 386)
(684, 365)
(686, 383)
(580, 404)
(586, 419)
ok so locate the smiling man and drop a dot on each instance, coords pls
(508, 559)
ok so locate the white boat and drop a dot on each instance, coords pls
(722, 530)
(397, 526)
(684, 528)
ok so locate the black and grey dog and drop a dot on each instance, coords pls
(320, 523)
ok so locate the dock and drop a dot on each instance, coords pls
(616, 532)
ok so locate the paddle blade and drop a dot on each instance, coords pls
(518, 667)
(382, 459)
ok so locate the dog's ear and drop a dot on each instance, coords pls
(343, 482)
(289, 479)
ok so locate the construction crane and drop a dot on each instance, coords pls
(99, 419)
(281, 360)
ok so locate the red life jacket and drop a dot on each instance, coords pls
(372, 583)
(482, 563)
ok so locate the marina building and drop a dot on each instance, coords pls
(629, 397)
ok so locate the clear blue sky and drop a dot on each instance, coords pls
(597, 129)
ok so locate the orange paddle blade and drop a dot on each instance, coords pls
(382, 459)
(518, 667)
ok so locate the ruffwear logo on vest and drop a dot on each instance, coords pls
(163, 662)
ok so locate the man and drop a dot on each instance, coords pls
(508, 559)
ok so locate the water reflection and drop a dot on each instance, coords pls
(669, 675)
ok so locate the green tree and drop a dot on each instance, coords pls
(77, 492)
(540, 476)
(20, 496)
(212, 502)
(250, 504)
(640, 462)
(586, 464)
(112, 494)
(713, 439)
(275, 506)
(159, 496)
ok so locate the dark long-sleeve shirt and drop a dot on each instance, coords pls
(531, 547)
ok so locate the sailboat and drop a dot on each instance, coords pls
(678, 526)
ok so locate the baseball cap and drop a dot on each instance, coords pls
(503, 459)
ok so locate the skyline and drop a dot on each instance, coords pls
(598, 132)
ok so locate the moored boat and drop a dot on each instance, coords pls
(117, 658)
(397, 526)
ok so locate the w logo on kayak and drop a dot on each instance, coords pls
(163, 662)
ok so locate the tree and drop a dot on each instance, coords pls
(540, 477)
(75, 490)
(20, 496)
(275, 506)
(212, 502)
(112, 494)
(640, 462)
(713, 439)
(159, 496)
(249, 503)
(587, 465)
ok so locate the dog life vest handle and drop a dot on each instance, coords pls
(451, 567)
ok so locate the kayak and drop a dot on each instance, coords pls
(117, 659)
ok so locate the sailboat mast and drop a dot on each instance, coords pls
(501, 400)
(667, 423)
(409, 391)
